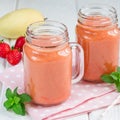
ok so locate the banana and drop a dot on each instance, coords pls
(15, 23)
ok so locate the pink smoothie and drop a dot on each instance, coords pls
(48, 71)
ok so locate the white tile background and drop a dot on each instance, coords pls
(64, 11)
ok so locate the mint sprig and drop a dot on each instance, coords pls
(113, 78)
(16, 102)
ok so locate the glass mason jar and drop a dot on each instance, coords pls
(97, 32)
(48, 63)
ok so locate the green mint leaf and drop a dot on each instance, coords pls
(25, 98)
(18, 109)
(8, 103)
(15, 91)
(17, 99)
(9, 93)
(117, 83)
(115, 75)
(113, 78)
(23, 108)
(118, 69)
(107, 78)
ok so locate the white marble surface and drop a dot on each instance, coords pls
(66, 12)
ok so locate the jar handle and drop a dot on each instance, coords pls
(77, 62)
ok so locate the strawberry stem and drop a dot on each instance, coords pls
(1, 41)
(12, 47)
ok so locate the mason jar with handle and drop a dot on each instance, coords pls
(98, 33)
(48, 58)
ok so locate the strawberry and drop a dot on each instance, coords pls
(4, 49)
(14, 56)
(19, 43)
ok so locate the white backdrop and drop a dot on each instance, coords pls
(64, 11)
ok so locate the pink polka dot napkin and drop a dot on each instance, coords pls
(85, 96)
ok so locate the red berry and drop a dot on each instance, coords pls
(19, 43)
(4, 49)
(14, 57)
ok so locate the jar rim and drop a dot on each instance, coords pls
(58, 24)
(98, 5)
(46, 28)
(97, 10)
